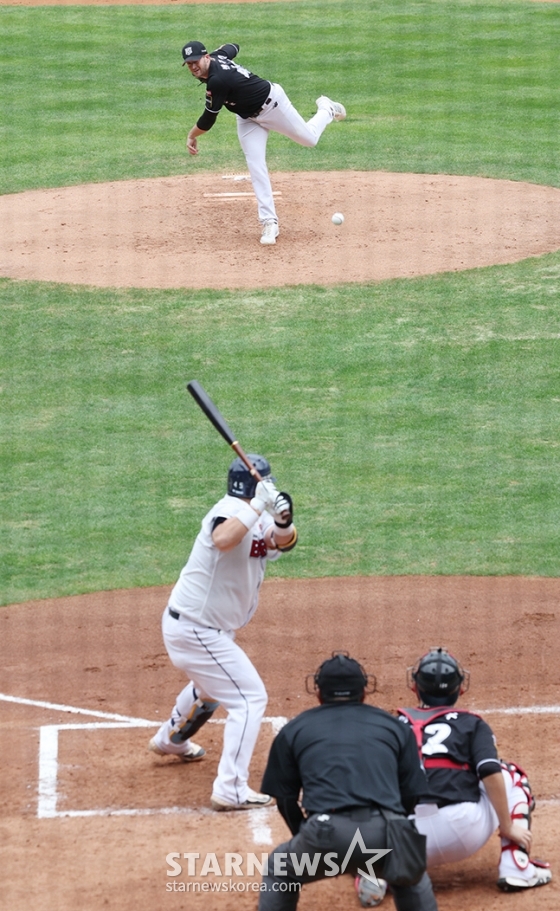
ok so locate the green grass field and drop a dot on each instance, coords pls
(415, 422)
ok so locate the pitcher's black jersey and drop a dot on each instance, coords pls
(457, 748)
(231, 86)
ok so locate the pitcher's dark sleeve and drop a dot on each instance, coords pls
(216, 93)
(226, 50)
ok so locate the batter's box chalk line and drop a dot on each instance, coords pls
(257, 819)
(48, 787)
(234, 195)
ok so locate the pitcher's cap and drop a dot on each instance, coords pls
(192, 51)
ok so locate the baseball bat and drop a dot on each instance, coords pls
(215, 416)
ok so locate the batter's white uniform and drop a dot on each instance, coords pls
(216, 594)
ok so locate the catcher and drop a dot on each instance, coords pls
(474, 791)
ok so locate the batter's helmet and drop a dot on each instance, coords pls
(342, 679)
(437, 678)
(240, 481)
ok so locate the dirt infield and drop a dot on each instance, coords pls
(88, 816)
(198, 231)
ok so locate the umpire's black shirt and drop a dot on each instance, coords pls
(346, 754)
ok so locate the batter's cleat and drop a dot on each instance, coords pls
(337, 110)
(193, 753)
(370, 894)
(270, 232)
(542, 874)
(253, 802)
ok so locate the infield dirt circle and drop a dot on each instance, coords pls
(87, 815)
(201, 230)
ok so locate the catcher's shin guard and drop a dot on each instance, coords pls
(521, 805)
(520, 780)
(184, 728)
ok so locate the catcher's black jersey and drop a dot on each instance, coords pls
(457, 747)
(231, 86)
(345, 755)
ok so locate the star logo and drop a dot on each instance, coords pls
(378, 853)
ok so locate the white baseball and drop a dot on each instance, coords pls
(337, 218)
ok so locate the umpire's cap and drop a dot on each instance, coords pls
(342, 679)
(193, 50)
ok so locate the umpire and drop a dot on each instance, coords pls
(352, 763)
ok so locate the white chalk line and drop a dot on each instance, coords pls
(277, 721)
(258, 821)
(48, 758)
(523, 710)
(259, 824)
(48, 778)
(56, 707)
(234, 195)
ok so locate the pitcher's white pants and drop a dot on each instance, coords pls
(220, 671)
(460, 830)
(280, 116)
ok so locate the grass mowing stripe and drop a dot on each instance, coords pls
(98, 93)
(418, 433)
(423, 415)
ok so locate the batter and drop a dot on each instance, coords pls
(260, 106)
(216, 594)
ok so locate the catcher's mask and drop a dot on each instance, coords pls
(340, 679)
(240, 481)
(437, 678)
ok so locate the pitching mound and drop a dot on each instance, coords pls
(201, 231)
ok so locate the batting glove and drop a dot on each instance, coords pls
(283, 510)
(265, 497)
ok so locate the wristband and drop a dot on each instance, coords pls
(283, 529)
(291, 543)
(247, 515)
